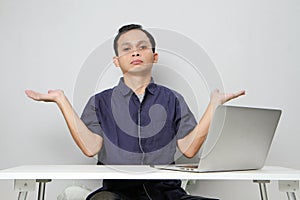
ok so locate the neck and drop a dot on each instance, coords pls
(138, 84)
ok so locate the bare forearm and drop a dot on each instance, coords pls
(89, 142)
(191, 143)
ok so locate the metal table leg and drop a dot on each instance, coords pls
(291, 196)
(22, 195)
(42, 187)
(290, 187)
(24, 186)
(262, 188)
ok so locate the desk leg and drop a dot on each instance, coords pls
(22, 195)
(262, 188)
(42, 187)
(290, 187)
(24, 186)
(291, 196)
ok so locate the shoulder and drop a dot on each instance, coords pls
(104, 93)
(168, 91)
(100, 96)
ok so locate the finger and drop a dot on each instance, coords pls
(236, 95)
(242, 92)
(27, 92)
(36, 95)
(32, 94)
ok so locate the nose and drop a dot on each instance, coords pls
(135, 53)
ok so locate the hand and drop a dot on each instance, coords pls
(218, 98)
(51, 96)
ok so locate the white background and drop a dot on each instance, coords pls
(43, 45)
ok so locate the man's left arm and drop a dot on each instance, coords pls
(192, 142)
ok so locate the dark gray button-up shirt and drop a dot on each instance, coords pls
(137, 132)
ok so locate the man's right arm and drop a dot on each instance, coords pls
(90, 143)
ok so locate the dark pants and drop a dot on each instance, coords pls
(142, 190)
(105, 195)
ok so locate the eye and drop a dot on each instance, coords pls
(143, 47)
(126, 49)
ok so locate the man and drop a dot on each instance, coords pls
(137, 121)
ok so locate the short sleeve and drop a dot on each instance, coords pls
(185, 121)
(89, 117)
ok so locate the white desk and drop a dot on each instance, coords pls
(288, 178)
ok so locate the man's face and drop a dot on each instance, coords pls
(135, 53)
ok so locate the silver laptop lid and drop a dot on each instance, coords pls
(239, 138)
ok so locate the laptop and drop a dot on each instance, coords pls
(239, 138)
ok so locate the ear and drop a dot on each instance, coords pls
(155, 57)
(116, 61)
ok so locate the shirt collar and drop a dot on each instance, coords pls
(125, 90)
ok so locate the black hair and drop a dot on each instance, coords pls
(125, 29)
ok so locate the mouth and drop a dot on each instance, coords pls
(136, 62)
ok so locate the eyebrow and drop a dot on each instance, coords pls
(139, 42)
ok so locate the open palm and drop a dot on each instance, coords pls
(217, 98)
(51, 96)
